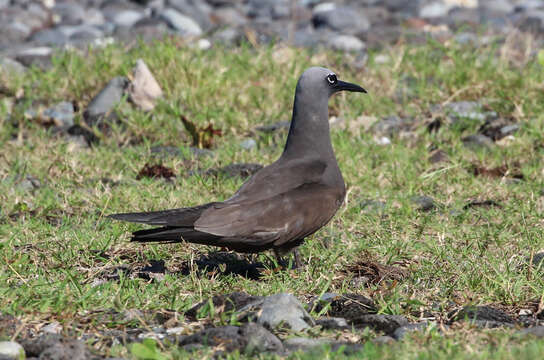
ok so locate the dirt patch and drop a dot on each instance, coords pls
(369, 271)
(503, 171)
(155, 171)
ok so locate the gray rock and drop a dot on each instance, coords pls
(477, 141)
(466, 38)
(229, 36)
(259, 339)
(29, 183)
(538, 259)
(402, 331)
(490, 324)
(434, 9)
(62, 114)
(280, 309)
(55, 347)
(484, 313)
(304, 344)
(334, 323)
(70, 12)
(72, 349)
(229, 15)
(13, 32)
(386, 323)
(126, 17)
(248, 144)
(226, 336)
(536, 331)
(37, 56)
(347, 43)
(392, 125)
(509, 129)
(195, 9)
(184, 24)
(10, 350)
(10, 66)
(340, 18)
(423, 202)
(103, 104)
(471, 110)
(49, 37)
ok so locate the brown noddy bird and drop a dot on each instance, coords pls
(281, 204)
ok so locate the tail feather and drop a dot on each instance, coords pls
(170, 234)
(173, 217)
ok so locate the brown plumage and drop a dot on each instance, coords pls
(282, 203)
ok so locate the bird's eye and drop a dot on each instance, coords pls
(331, 78)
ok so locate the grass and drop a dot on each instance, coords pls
(60, 241)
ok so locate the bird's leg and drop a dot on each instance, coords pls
(298, 262)
(280, 260)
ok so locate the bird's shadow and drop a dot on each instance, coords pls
(225, 263)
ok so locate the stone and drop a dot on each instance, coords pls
(438, 156)
(385, 323)
(279, 310)
(49, 37)
(195, 9)
(259, 339)
(423, 202)
(404, 330)
(36, 56)
(61, 114)
(471, 110)
(143, 89)
(484, 313)
(126, 17)
(30, 183)
(391, 125)
(70, 12)
(227, 337)
(347, 43)
(13, 32)
(10, 350)
(334, 323)
(477, 141)
(343, 19)
(229, 36)
(55, 347)
(184, 24)
(434, 9)
(10, 66)
(52, 328)
(536, 331)
(104, 102)
(248, 144)
(304, 344)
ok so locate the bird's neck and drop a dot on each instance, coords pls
(309, 131)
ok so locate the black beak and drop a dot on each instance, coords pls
(342, 85)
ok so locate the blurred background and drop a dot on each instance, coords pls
(29, 29)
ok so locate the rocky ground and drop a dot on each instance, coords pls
(31, 30)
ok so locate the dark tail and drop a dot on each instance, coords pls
(171, 234)
(173, 217)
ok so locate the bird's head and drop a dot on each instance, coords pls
(319, 81)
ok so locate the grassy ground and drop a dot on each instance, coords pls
(59, 241)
